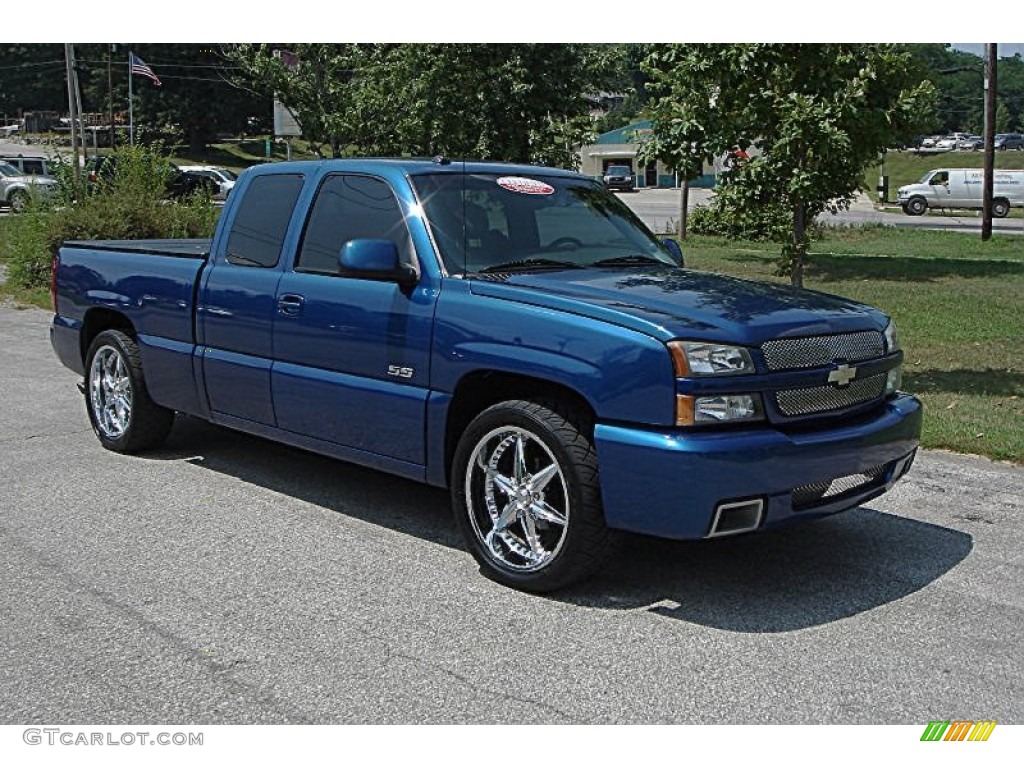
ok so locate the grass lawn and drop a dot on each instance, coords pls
(958, 304)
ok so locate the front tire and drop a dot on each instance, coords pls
(526, 495)
(121, 412)
(19, 201)
(916, 206)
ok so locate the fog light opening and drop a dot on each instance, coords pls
(737, 517)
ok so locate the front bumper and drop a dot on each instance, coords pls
(670, 483)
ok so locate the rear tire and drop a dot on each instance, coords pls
(526, 495)
(1000, 209)
(121, 412)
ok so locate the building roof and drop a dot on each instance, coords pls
(628, 134)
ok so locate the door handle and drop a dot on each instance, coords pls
(290, 304)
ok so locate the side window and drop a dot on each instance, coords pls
(34, 167)
(350, 208)
(262, 220)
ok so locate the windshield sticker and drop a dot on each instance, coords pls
(525, 186)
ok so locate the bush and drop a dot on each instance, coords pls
(131, 205)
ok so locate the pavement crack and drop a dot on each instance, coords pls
(222, 670)
(390, 653)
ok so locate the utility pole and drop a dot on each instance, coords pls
(69, 66)
(110, 89)
(990, 139)
(78, 106)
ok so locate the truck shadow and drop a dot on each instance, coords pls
(375, 497)
(802, 576)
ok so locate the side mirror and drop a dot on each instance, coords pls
(673, 247)
(375, 260)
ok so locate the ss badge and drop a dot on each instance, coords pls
(402, 372)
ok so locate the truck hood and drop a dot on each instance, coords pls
(669, 302)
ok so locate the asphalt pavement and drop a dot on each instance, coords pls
(226, 579)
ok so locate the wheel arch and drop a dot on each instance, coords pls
(479, 390)
(97, 320)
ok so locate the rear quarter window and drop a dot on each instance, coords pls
(258, 230)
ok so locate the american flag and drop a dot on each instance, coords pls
(138, 67)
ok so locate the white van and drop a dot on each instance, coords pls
(962, 188)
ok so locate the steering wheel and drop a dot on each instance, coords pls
(564, 243)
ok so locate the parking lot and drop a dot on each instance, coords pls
(226, 579)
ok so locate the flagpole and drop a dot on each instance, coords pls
(131, 105)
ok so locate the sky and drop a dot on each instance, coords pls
(1004, 49)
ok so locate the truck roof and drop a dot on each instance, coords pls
(412, 166)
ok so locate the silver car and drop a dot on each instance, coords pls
(16, 189)
(224, 178)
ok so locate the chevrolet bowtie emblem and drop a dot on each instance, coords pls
(842, 375)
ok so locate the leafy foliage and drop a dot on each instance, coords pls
(521, 102)
(130, 205)
(815, 116)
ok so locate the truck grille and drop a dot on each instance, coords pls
(815, 351)
(800, 402)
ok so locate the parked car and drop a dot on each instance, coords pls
(1009, 141)
(29, 166)
(17, 188)
(511, 332)
(962, 188)
(951, 141)
(620, 177)
(971, 143)
(180, 183)
(224, 178)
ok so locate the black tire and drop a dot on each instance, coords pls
(1000, 209)
(532, 551)
(916, 206)
(19, 201)
(120, 410)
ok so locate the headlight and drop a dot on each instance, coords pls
(717, 409)
(693, 358)
(892, 341)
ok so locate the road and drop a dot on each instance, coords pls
(659, 209)
(225, 579)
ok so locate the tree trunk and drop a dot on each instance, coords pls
(196, 140)
(684, 203)
(799, 245)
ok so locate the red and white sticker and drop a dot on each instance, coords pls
(525, 186)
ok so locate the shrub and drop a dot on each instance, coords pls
(130, 205)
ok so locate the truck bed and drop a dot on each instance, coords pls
(197, 248)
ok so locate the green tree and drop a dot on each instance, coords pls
(816, 116)
(521, 102)
(32, 77)
(196, 99)
(1002, 117)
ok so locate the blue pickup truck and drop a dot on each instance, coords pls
(513, 333)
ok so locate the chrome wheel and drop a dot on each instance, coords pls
(110, 392)
(517, 499)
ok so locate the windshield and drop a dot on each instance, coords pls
(225, 174)
(924, 179)
(6, 169)
(618, 170)
(481, 222)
